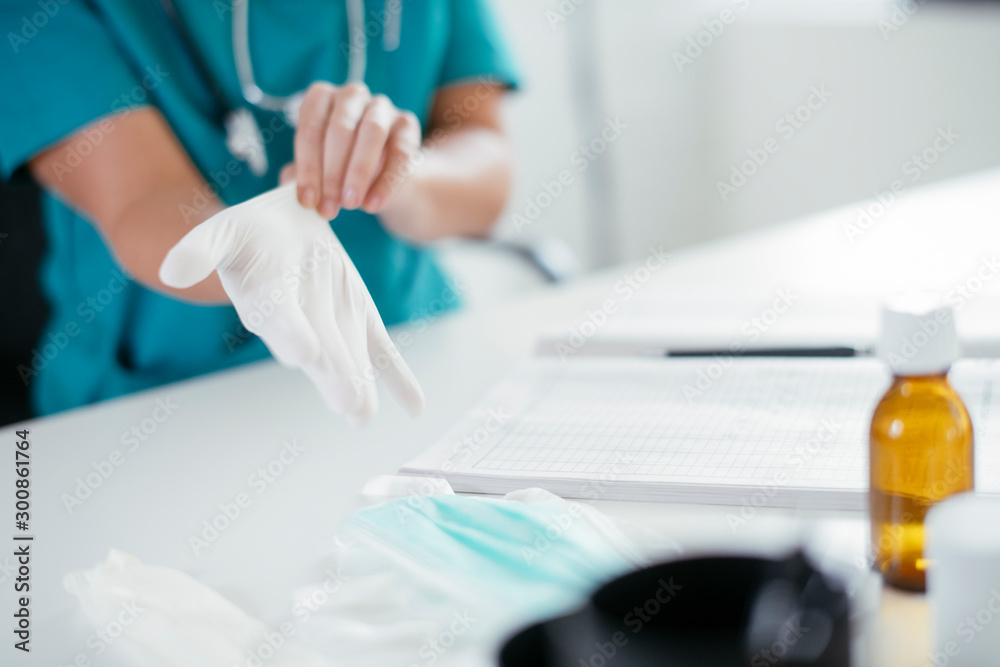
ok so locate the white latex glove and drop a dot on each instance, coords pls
(294, 286)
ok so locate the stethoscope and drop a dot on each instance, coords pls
(244, 138)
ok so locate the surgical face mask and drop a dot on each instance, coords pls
(435, 574)
(406, 583)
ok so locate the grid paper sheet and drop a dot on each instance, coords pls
(697, 425)
(752, 424)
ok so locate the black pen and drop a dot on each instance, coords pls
(834, 351)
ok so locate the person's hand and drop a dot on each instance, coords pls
(293, 285)
(352, 149)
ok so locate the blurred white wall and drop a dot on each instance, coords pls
(892, 90)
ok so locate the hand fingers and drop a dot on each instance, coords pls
(351, 149)
(385, 356)
(373, 131)
(403, 142)
(349, 107)
(201, 251)
(313, 114)
(287, 174)
(281, 324)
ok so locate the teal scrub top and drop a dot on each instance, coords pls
(70, 63)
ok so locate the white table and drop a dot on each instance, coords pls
(228, 424)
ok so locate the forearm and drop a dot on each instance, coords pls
(142, 201)
(458, 188)
(148, 228)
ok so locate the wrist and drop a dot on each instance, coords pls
(408, 212)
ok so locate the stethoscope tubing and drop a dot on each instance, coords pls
(288, 105)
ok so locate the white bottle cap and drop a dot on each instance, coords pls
(918, 334)
(963, 580)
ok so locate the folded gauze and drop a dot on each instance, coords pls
(425, 580)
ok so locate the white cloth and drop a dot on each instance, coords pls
(172, 620)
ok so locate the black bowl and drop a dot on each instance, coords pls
(726, 611)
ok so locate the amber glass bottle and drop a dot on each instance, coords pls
(921, 444)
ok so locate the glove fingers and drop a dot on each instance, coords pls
(337, 391)
(354, 337)
(364, 380)
(398, 377)
(201, 251)
(284, 328)
(337, 374)
(338, 380)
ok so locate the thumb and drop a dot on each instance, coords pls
(201, 251)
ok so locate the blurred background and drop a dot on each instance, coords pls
(694, 94)
(648, 122)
